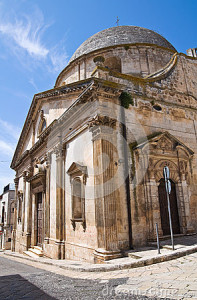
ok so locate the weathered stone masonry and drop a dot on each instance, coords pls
(89, 165)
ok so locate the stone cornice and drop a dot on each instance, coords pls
(42, 137)
(89, 94)
(74, 87)
(70, 88)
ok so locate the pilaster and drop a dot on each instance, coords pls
(13, 242)
(47, 198)
(29, 214)
(24, 199)
(106, 193)
(59, 202)
(34, 221)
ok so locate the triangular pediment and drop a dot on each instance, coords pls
(77, 167)
(163, 141)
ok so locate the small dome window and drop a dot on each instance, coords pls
(113, 63)
(157, 107)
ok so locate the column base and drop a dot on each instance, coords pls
(60, 249)
(190, 230)
(54, 249)
(101, 255)
(46, 240)
(28, 240)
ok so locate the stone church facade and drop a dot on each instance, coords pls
(90, 158)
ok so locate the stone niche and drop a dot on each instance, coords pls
(78, 176)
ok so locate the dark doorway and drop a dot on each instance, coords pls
(3, 214)
(39, 219)
(164, 208)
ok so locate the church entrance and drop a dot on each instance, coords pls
(39, 219)
(164, 208)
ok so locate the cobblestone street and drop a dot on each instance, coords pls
(176, 279)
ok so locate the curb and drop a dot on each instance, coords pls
(122, 266)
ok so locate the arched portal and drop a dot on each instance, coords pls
(164, 208)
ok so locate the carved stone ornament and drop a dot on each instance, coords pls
(99, 120)
(16, 181)
(83, 223)
(165, 144)
(183, 166)
(58, 150)
(77, 169)
(177, 162)
(47, 159)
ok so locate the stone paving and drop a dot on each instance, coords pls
(47, 279)
(145, 256)
(176, 279)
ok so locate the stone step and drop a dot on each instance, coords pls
(38, 248)
(30, 254)
(35, 251)
(134, 256)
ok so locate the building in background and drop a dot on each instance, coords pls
(192, 52)
(7, 205)
(90, 158)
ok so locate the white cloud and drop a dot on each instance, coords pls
(6, 148)
(32, 82)
(25, 36)
(10, 129)
(59, 59)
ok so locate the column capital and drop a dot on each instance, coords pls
(16, 181)
(24, 176)
(48, 159)
(102, 126)
(100, 120)
(58, 150)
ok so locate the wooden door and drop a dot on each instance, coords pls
(164, 209)
(39, 219)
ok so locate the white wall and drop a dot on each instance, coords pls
(80, 150)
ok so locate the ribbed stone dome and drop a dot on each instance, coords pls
(120, 35)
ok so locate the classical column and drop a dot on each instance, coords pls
(34, 221)
(59, 202)
(29, 214)
(47, 198)
(24, 199)
(184, 208)
(106, 192)
(153, 207)
(16, 181)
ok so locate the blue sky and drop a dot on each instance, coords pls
(37, 38)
